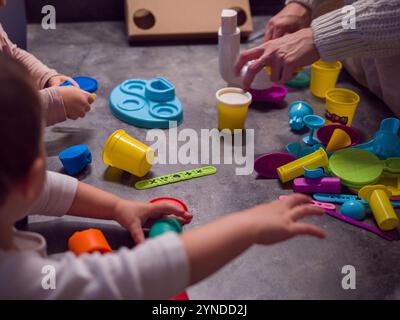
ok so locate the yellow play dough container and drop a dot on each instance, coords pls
(233, 104)
(324, 76)
(126, 153)
(341, 105)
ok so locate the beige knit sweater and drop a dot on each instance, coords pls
(371, 51)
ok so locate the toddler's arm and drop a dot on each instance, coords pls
(165, 266)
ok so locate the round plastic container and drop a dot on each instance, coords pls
(124, 152)
(324, 76)
(88, 241)
(341, 105)
(233, 104)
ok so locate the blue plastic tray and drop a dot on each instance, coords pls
(146, 104)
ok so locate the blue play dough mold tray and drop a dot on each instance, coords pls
(147, 104)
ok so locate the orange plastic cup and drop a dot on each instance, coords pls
(88, 241)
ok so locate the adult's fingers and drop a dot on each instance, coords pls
(307, 229)
(254, 68)
(306, 210)
(247, 56)
(277, 33)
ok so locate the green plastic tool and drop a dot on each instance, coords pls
(175, 177)
(357, 168)
(301, 80)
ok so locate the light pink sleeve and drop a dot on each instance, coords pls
(53, 105)
(40, 72)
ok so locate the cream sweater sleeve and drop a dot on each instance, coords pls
(157, 269)
(57, 195)
(376, 33)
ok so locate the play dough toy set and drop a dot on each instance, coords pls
(330, 162)
(370, 170)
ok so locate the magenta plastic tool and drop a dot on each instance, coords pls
(267, 164)
(275, 94)
(323, 205)
(325, 133)
(321, 185)
(389, 236)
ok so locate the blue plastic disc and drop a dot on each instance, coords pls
(85, 83)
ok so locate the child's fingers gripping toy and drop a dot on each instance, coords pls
(93, 240)
(165, 225)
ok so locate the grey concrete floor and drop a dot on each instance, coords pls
(302, 268)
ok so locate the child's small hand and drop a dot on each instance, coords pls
(278, 221)
(133, 215)
(56, 81)
(76, 102)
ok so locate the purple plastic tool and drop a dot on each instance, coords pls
(325, 133)
(306, 185)
(323, 205)
(275, 94)
(267, 164)
(389, 236)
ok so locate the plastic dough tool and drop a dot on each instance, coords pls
(389, 236)
(146, 104)
(357, 168)
(323, 205)
(386, 142)
(175, 177)
(342, 198)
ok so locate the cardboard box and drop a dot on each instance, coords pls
(181, 19)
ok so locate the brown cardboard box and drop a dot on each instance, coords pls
(181, 19)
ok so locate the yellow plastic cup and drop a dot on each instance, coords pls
(378, 198)
(324, 76)
(295, 169)
(124, 152)
(233, 104)
(341, 105)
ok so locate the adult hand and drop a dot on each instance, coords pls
(283, 55)
(292, 18)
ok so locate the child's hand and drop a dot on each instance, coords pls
(278, 221)
(76, 102)
(56, 81)
(133, 215)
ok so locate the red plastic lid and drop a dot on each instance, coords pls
(171, 200)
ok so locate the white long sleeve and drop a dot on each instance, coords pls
(57, 196)
(157, 269)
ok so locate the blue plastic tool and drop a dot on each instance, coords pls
(297, 111)
(354, 209)
(146, 104)
(297, 150)
(386, 142)
(312, 122)
(75, 159)
(342, 198)
(314, 174)
(85, 83)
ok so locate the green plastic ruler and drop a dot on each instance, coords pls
(175, 177)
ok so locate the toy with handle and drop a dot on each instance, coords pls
(386, 142)
(165, 225)
(342, 198)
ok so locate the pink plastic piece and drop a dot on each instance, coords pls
(321, 185)
(325, 133)
(323, 205)
(267, 164)
(275, 94)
